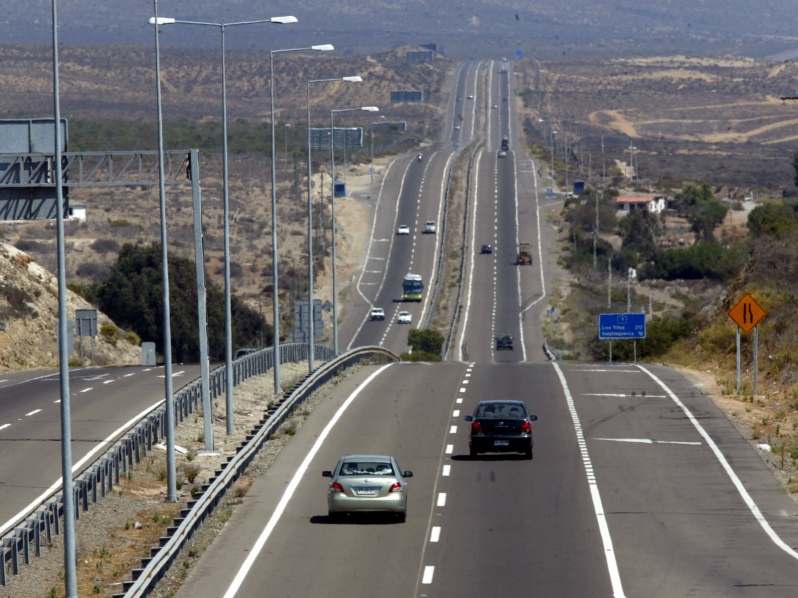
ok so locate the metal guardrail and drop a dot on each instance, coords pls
(99, 478)
(197, 511)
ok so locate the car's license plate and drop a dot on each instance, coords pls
(501, 443)
(367, 491)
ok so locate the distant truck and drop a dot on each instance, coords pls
(505, 144)
(524, 254)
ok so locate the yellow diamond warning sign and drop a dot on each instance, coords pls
(747, 313)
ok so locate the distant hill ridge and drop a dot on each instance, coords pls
(464, 28)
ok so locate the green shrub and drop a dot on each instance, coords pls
(110, 333)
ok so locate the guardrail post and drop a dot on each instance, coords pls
(15, 555)
(3, 580)
(37, 536)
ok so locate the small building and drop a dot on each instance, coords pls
(76, 213)
(628, 203)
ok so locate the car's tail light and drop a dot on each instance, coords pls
(476, 428)
(396, 487)
(336, 487)
(526, 428)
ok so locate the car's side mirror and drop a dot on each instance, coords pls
(468, 418)
(533, 418)
(408, 474)
(328, 474)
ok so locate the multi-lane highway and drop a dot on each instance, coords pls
(639, 485)
(104, 404)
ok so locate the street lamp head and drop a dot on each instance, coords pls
(353, 79)
(323, 48)
(162, 21)
(370, 109)
(283, 20)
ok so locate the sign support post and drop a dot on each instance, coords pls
(738, 360)
(747, 314)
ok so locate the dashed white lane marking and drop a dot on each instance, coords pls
(466, 381)
(442, 499)
(87, 389)
(598, 508)
(650, 441)
(429, 571)
(128, 375)
(108, 381)
(462, 390)
(468, 374)
(447, 469)
(34, 412)
(453, 430)
(449, 449)
(4, 426)
(435, 535)
(456, 413)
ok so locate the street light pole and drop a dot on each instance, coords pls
(372, 151)
(311, 322)
(228, 317)
(70, 567)
(332, 178)
(275, 279)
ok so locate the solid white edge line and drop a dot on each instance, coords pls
(292, 486)
(612, 564)
(729, 471)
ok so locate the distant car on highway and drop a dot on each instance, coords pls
(430, 227)
(495, 106)
(504, 341)
(377, 313)
(502, 154)
(403, 229)
(501, 427)
(470, 98)
(404, 317)
(367, 484)
(486, 249)
(457, 127)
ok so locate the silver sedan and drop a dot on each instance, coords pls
(367, 483)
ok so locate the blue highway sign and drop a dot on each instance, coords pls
(620, 326)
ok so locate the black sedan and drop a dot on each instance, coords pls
(504, 341)
(501, 427)
(486, 249)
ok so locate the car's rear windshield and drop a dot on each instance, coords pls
(500, 410)
(366, 468)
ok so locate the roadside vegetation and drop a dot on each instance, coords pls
(687, 290)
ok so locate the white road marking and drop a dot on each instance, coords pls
(441, 499)
(447, 469)
(466, 381)
(728, 468)
(456, 413)
(462, 390)
(34, 412)
(459, 400)
(292, 486)
(87, 389)
(449, 449)
(607, 371)
(649, 441)
(435, 535)
(107, 381)
(128, 375)
(4, 426)
(609, 552)
(453, 430)
(101, 446)
(429, 571)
